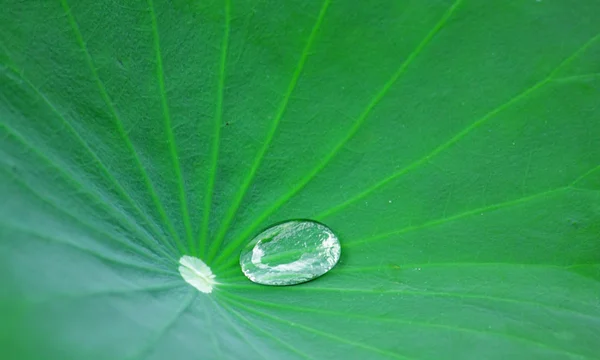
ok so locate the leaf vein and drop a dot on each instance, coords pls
(354, 129)
(453, 328)
(318, 332)
(131, 291)
(99, 200)
(460, 135)
(143, 354)
(270, 136)
(269, 335)
(86, 250)
(218, 123)
(236, 329)
(118, 122)
(103, 168)
(169, 129)
(448, 219)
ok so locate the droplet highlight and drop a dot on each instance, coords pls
(196, 273)
(290, 253)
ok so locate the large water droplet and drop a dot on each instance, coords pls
(290, 253)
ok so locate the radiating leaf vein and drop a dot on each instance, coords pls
(153, 343)
(236, 328)
(160, 75)
(118, 122)
(95, 254)
(318, 332)
(393, 320)
(452, 218)
(353, 130)
(267, 334)
(122, 192)
(460, 135)
(215, 246)
(154, 247)
(217, 135)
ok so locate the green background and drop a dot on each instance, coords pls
(454, 147)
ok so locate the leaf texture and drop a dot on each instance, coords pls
(453, 146)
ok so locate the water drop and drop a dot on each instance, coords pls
(290, 253)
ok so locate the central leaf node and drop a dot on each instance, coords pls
(196, 273)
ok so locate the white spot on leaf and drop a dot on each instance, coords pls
(196, 273)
